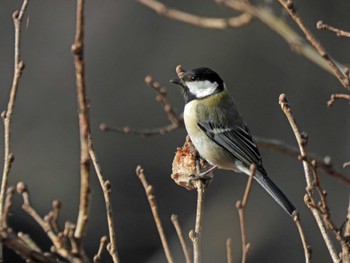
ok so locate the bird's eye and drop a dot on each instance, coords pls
(192, 78)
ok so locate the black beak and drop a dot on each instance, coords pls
(180, 80)
(177, 81)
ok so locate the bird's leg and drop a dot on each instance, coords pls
(204, 176)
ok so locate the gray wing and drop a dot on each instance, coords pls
(237, 141)
(240, 143)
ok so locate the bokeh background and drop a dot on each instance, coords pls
(125, 41)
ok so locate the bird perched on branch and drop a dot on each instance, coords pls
(218, 131)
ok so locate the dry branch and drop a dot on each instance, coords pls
(205, 22)
(335, 97)
(339, 32)
(229, 250)
(306, 247)
(59, 245)
(324, 163)
(185, 249)
(84, 126)
(196, 234)
(176, 120)
(103, 242)
(153, 204)
(302, 140)
(343, 77)
(240, 205)
(17, 17)
(106, 188)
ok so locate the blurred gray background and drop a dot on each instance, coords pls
(125, 41)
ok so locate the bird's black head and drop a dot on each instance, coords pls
(198, 83)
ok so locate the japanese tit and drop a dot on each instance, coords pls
(218, 131)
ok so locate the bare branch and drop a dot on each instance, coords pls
(176, 120)
(196, 234)
(275, 23)
(342, 77)
(302, 140)
(17, 17)
(10, 240)
(339, 32)
(240, 205)
(7, 206)
(325, 210)
(229, 250)
(103, 242)
(163, 100)
(153, 204)
(141, 132)
(106, 188)
(335, 97)
(84, 126)
(307, 248)
(206, 22)
(74, 256)
(324, 163)
(185, 249)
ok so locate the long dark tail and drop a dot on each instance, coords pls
(274, 191)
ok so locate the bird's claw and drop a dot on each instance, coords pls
(205, 176)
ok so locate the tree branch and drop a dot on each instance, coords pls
(324, 163)
(185, 249)
(343, 77)
(153, 204)
(306, 247)
(339, 32)
(302, 140)
(335, 97)
(84, 126)
(240, 205)
(106, 188)
(205, 22)
(17, 17)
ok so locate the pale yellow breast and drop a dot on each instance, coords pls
(208, 149)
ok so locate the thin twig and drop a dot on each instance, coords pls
(153, 204)
(278, 25)
(206, 22)
(141, 132)
(325, 211)
(53, 215)
(342, 77)
(339, 32)
(240, 205)
(10, 240)
(83, 113)
(106, 188)
(347, 224)
(185, 249)
(335, 97)
(302, 140)
(176, 120)
(163, 100)
(59, 245)
(103, 242)
(324, 163)
(7, 206)
(229, 250)
(307, 248)
(196, 234)
(25, 238)
(17, 17)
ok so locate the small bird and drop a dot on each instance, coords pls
(218, 131)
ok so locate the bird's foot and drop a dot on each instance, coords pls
(204, 176)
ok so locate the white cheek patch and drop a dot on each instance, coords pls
(201, 88)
